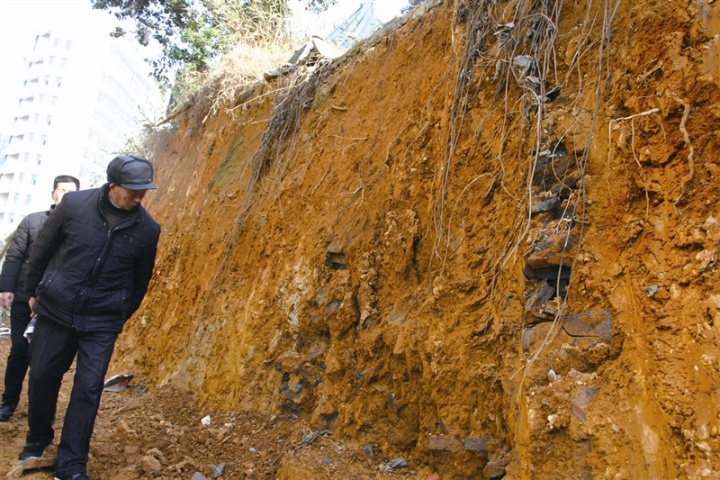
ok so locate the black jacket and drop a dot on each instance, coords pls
(85, 275)
(14, 267)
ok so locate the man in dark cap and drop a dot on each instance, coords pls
(88, 272)
(12, 296)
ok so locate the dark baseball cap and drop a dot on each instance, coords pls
(133, 173)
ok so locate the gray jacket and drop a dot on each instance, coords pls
(12, 277)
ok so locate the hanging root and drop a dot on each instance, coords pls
(637, 161)
(691, 150)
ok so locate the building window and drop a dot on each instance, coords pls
(28, 199)
(51, 60)
(59, 81)
(49, 120)
(31, 137)
(16, 195)
(33, 179)
(43, 139)
(56, 42)
(63, 62)
(68, 44)
(26, 157)
(21, 177)
(53, 100)
(38, 159)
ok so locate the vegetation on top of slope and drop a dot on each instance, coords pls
(195, 34)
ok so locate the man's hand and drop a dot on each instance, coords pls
(31, 302)
(6, 298)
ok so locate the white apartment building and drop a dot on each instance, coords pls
(82, 99)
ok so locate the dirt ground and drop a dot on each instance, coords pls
(485, 241)
(159, 433)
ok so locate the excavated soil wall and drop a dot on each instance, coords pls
(485, 240)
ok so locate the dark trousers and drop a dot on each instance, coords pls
(53, 348)
(17, 362)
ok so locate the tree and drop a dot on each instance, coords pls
(319, 6)
(194, 33)
(187, 31)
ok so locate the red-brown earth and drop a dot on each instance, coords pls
(485, 241)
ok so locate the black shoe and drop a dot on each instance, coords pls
(76, 476)
(6, 412)
(32, 450)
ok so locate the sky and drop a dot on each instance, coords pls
(21, 20)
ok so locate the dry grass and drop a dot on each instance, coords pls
(259, 43)
(244, 65)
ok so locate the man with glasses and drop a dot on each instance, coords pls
(88, 273)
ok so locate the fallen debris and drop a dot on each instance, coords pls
(394, 464)
(47, 461)
(117, 383)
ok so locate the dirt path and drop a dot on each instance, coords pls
(160, 434)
